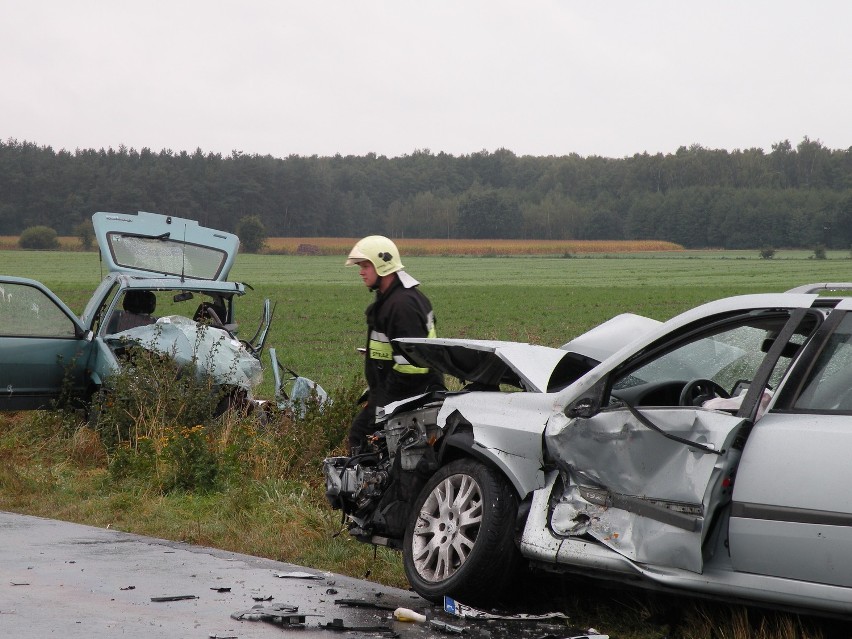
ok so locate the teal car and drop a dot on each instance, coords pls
(166, 290)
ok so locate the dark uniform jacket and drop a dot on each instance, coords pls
(398, 312)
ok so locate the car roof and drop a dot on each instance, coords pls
(738, 303)
(150, 243)
(179, 284)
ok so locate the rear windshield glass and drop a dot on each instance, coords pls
(165, 256)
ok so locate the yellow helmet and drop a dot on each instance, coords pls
(378, 250)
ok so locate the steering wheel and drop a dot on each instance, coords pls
(698, 391)
(213, 316)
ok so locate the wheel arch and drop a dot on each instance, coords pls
(459, 442)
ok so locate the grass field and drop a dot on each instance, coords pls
(318, 324)
(319, 315)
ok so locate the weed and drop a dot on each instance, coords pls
(150, 392)
(192, 464)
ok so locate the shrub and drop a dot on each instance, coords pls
(86, 233)
(39, 238)
(767, 253)
(252, 234)
(191, 460)
(147, 395)
(308, 249)
(160, 430)
(819, 252)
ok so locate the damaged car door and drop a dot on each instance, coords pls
(646, 461)
(791, 515)
(43, 346)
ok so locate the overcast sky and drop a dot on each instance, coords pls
(313, 77)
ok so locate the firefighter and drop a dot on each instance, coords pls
(399, 310)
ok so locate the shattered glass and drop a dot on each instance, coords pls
(166, 257)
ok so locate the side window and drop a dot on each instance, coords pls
(829, 385)
(26, 311)
(728, 356)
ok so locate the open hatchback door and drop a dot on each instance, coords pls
(149, 244)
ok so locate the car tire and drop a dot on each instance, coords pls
(459, 540)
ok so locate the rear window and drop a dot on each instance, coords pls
(166, 256)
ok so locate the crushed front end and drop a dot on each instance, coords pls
(376, 487)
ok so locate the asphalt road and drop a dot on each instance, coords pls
(59, 579)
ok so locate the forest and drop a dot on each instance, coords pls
(793, 196)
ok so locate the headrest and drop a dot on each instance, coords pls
(142, 302)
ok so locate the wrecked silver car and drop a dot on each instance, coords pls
(706, 457)
(166, 290)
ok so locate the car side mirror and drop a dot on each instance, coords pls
(583, 407)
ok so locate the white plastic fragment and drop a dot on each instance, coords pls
(407, 614)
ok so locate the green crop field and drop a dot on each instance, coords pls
(319, 315)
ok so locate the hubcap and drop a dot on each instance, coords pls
(447, 528)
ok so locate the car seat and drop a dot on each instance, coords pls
(138, 310)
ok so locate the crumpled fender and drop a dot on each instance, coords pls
(501, 429)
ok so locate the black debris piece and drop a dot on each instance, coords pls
(295, 574)
(174, 598)
(365, 603)
(446, 628)
(339, 626)
(278, 614)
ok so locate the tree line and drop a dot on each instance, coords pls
(789, 197)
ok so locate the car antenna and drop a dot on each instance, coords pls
(183, 254)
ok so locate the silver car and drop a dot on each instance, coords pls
(706, 455)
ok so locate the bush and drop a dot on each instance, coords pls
(160, 430)
(767, 253)
(149, 394)
(39, 238)
(252, 234)
(819, 252)
(86, 233)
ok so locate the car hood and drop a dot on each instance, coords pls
(534, 368)
(148, 243)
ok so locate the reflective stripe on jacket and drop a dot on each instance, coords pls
(398, 312)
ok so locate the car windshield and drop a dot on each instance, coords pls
(730, 357)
